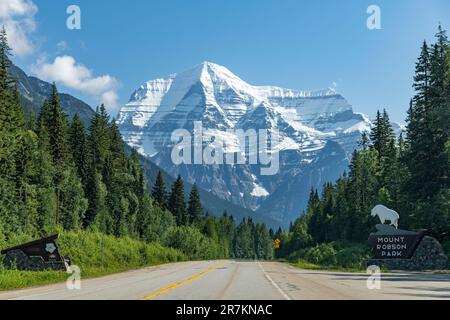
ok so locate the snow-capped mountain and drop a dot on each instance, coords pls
(318, 131)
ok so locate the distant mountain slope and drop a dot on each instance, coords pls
(34, 92)
(211, 203)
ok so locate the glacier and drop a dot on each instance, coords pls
(318, 130)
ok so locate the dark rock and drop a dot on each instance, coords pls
(385, 229)
(17, 259)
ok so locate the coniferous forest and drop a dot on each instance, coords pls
(410, 174)
(58, 175)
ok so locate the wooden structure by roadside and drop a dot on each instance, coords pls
(38, 255)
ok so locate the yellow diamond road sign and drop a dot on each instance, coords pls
(277, 243)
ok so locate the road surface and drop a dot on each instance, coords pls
(240, 280)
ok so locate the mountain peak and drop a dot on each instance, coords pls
(213, 87)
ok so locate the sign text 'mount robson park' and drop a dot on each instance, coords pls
(395, 246)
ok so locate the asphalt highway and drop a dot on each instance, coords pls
(241, 280)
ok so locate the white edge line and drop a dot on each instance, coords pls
(285, 296)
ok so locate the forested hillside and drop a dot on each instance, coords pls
(411, 175)
(57, 174)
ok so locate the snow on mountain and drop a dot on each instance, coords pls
(307, 122)
(211, 92)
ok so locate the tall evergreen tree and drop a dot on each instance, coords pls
(55, 121)
(79, 147)
(176, 203)
(440, 108)
(45, 177)
(99, 137)
(159, 191)
(194, 210)
(419, 137)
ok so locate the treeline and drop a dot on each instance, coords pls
(410, 175)
(56, 174)
(248, 240)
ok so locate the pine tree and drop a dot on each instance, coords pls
(5, 52)
(79, 147)
(11, 133)
(96, 191)
(159, 191)
(364, 142)
(194, 210)
(8, 132)
(382, 136)
(176, 203)
(17, 114)
(55, 121)
(25, 177)
(45, 177)
(99, 217)
(376, 135)
(94, 195)
(99, 137)
(73, 203)
(419, 136)
(244, 243)
(440, 108)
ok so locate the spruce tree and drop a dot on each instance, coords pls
(194, 210)
(99, 137)
(419, 138)
(440, 108)
(159, 191)
(8, 131)
(96, 191)
(376, 134)
(57, 128)
(45, 177)
(176, 203)
(79, 147)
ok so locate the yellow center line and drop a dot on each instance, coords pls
(182, 283)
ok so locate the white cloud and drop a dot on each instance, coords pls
(17, 16)
(66, 70)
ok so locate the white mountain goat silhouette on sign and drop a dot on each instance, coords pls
(386, 214)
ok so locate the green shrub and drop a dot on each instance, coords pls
(297, 256)
(352, 257)
(194, 244)
(323, 254)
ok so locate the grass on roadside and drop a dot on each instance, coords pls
(96, 254)
(301, 264)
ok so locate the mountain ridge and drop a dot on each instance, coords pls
(34, 91)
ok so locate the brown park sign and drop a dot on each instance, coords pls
(390, 243)
(42, 254)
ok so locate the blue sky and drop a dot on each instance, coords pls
(290, 43)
